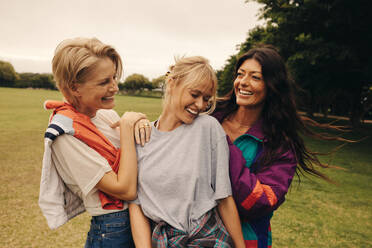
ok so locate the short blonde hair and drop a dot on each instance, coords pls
(75, 59)
(189, 72)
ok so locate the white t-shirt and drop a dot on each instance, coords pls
(81, 167)
(183, 173)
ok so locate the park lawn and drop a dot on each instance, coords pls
(316, 213)
(320, 214)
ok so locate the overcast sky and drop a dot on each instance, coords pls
(147, 34)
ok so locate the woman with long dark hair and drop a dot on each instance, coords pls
(260, 118)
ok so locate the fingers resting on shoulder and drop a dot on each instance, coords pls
(142, 131)
(142, 126)
(131, 118)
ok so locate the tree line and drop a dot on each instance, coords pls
(10, 78)
(133, 84)
(327, 47)
(325, 43)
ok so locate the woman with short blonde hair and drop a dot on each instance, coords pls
(87, 164)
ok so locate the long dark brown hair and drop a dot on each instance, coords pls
(282, 124)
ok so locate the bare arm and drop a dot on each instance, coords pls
(123, 185)
(230, 217)
(140, 226)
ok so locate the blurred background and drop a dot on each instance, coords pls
(325, 43)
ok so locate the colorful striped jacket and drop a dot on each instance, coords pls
(257, 193)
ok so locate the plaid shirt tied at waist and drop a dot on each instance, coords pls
(209, 233)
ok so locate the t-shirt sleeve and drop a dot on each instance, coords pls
(220, 169)
(113, 115)
(136, 201)
(78, 163)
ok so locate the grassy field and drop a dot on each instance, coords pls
(316, 214)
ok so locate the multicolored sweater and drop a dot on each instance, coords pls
(257, 193)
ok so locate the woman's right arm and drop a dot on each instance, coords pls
(140, 226)
(123, 185)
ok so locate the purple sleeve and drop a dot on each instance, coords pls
(257, 194)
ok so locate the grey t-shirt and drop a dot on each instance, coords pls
(182, 173)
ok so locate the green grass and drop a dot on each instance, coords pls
(316, 214)
(319, 214)
(22, 124)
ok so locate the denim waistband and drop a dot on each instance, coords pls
(101, 218)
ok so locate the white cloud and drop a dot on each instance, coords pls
(147, 34)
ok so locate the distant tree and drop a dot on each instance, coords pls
(35, 80)
(44, 81)
(121, 86)
(8, 75)
(226, 76)
(149, 86)
(159, 82)
(24, 80)
(135, 82)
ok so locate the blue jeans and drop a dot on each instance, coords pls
(110, 230)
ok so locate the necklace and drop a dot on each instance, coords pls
(236, 123)
(234, 129)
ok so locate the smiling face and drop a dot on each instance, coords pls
(187, 102)
(249, 86)
(98, 90)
